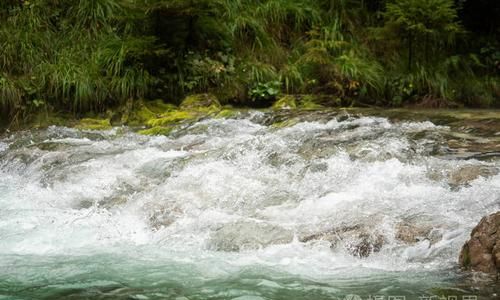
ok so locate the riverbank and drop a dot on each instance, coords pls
(246, 52)
(269, 204)
(159, 117)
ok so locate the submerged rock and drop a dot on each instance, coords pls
(248, 235)
(363, 240)
(162, 215)
(412, 231)
(466, 174)
(482, 252)
(358, 240)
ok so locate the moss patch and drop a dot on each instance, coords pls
(285, 102)
(171, 117)
(140, 115)
(284, 124)
(158, 106)
(465, 258)
(306, 102)
(94, 124)
(309, 102)
(201, 101)
(157, 130)
(226, 114)
(145, 111)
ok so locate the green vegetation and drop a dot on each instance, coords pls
(286, 102)
(94, 124)
(88, 56)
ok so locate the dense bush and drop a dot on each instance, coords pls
(88, 55)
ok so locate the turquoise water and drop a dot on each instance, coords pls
(126, 277)
(241, 209)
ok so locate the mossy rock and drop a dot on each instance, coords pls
(157, 130)
(309, 102)
(171, 118)
(285, 102)
(140, 115)
(145, 111)
(158, 106)
(120, 116)
(204, 102)
(465, 258)
(306, 102)
(227, 114)
(286, 123)
(94, 124)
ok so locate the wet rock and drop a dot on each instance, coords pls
(53, 146)
(318, 167)
(482, 252)
(160, 216)
(94, 124)
(358, 240)
(466, 174)
(293, 116)
(248, 235)
(318, 148)
(414, 231)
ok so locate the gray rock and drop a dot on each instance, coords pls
(466, 174)
(248, 235)
(160, 216)
(358, 240)
(412, 231)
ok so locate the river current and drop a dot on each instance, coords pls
(333, 206)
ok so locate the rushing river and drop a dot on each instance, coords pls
(325, 206)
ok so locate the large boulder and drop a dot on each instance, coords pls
(482, 252)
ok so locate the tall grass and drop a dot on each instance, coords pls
(10, 95)
(87, 55)
(76, 55)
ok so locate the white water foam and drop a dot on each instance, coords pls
(115, 191)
